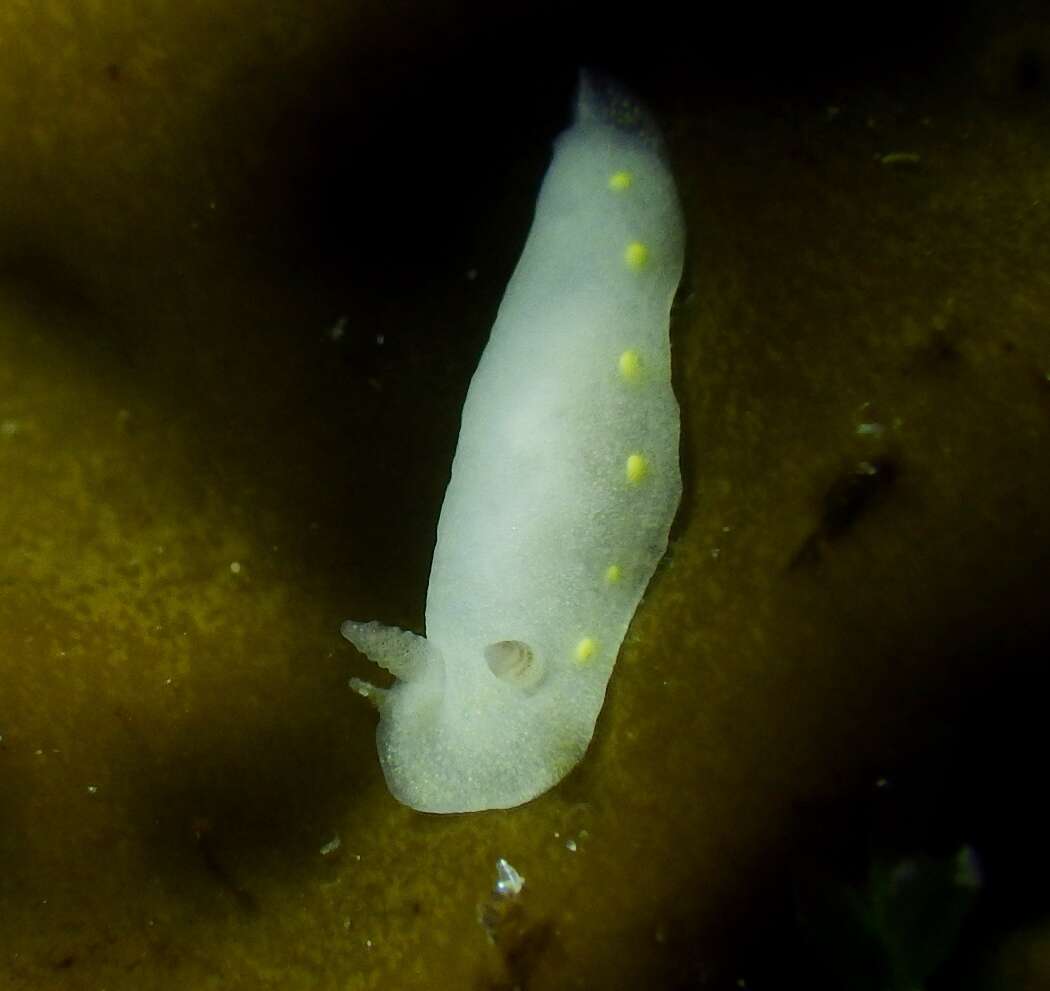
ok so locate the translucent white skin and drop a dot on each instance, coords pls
(550, 531)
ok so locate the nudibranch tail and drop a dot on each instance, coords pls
(603, 101)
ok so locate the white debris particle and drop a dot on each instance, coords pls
(235, 567)
(92, 789)
(508, 881)
(331, 846)
(338, 329)
(570, 845)
(870, 429)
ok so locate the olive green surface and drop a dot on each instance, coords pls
(233, 351)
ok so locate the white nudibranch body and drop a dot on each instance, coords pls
(563, 487)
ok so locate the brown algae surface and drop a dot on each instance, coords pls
(210, 455)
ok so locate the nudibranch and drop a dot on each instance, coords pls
(564, 485)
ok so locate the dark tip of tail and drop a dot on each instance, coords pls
(602, 100)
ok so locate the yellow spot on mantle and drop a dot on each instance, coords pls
(613, 574)
(585, 650)
(637, 468)
(636, 255)
(620, 180)
(630, 364)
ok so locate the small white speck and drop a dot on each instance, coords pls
(726, 529)
(870, 429)
(92, 789)
(380, 340)
(508, 881)
(235, 567)
(337, 330)
(570, 845)
(715, 551)
(368, 943)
